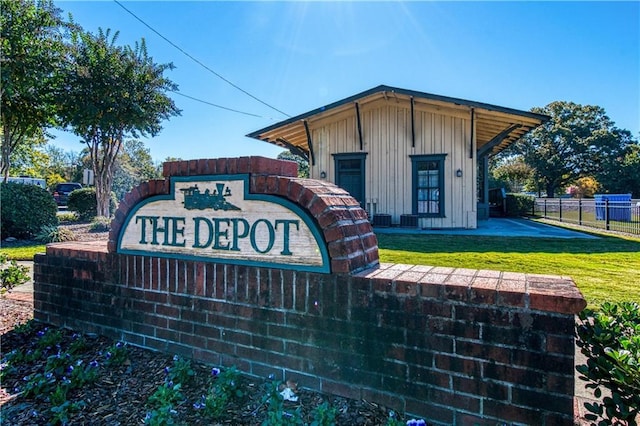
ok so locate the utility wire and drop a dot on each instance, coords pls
(216, 105)
(200, 63)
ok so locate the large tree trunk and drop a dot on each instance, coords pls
(103, 156)
(551, 189)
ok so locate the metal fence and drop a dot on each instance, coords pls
(623, 216)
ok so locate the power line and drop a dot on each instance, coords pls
(216, 105)
(200, 63)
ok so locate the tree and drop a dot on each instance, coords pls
(134, 166)
(512, 172)
(303, 164)
(112, 93)
(31, 52)
(578, 141)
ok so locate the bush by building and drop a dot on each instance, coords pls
(25, 210)
(83, 202)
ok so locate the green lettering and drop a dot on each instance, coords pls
(236, 234)
(175, 231)
(285, 239)
(196, 235)
(270, 230)
(143, 227)
(217, 233)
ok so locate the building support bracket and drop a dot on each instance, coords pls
(359, 124)
(413, 124)
(486, 149)
(309, 142)
(473, 116)
(294, 149)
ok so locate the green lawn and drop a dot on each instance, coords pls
(606, 269)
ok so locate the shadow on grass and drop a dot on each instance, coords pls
(430, 243)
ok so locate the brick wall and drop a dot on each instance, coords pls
(454, 346)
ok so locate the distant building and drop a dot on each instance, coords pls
(410, 158)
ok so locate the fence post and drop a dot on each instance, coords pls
(545, 208)
(560, 208)
(606, 213)
(579, 211)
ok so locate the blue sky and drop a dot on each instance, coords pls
(297, 56)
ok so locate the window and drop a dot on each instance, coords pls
(428, 185)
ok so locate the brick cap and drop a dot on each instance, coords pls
(550, 293)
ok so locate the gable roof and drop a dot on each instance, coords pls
(496, 127)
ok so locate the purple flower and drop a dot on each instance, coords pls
(70, 369)
(93, 364)
(197, 405)
(176, 358)
(166, 370)
(215, 371)
(119, 345)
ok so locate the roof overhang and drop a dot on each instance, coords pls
(496, 127)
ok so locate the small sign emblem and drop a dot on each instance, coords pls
(194, 199)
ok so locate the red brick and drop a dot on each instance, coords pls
(166, 168)
(243, 165)
(295, 190)
(232, 166)
(288, 168)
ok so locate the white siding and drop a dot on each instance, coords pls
(386, 133)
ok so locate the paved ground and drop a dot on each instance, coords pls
(497, 227)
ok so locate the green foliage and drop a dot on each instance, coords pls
(25, 209)
(578, 141)
(181, 371)
(32, 51)
(68, 217)
(519, 205)
(55, 234)
(83, 203)
(610, 339)
(509, 172)
(117, 354)
(324, 415)
(277, 414)
(133, 166)
(223, 388)
(11, 274)
(113, 93)
(100, 224)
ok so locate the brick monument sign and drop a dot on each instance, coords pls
(236, 261)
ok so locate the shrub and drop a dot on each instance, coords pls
(100, 224)
(25, 209)
(55, 234)
(610, 339)
(68, 217)
(83, 202)
(519, 204)
(11, 274)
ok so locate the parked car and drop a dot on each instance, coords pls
(62, 191)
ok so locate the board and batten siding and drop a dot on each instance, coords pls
(386, 134)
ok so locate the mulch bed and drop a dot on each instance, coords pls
(120, 394)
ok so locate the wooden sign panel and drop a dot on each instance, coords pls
(214, 218)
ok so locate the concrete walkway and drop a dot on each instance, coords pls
(497, 227)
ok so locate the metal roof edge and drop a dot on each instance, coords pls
(383, 88)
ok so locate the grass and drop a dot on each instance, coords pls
(606, 269)
(23, 252)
